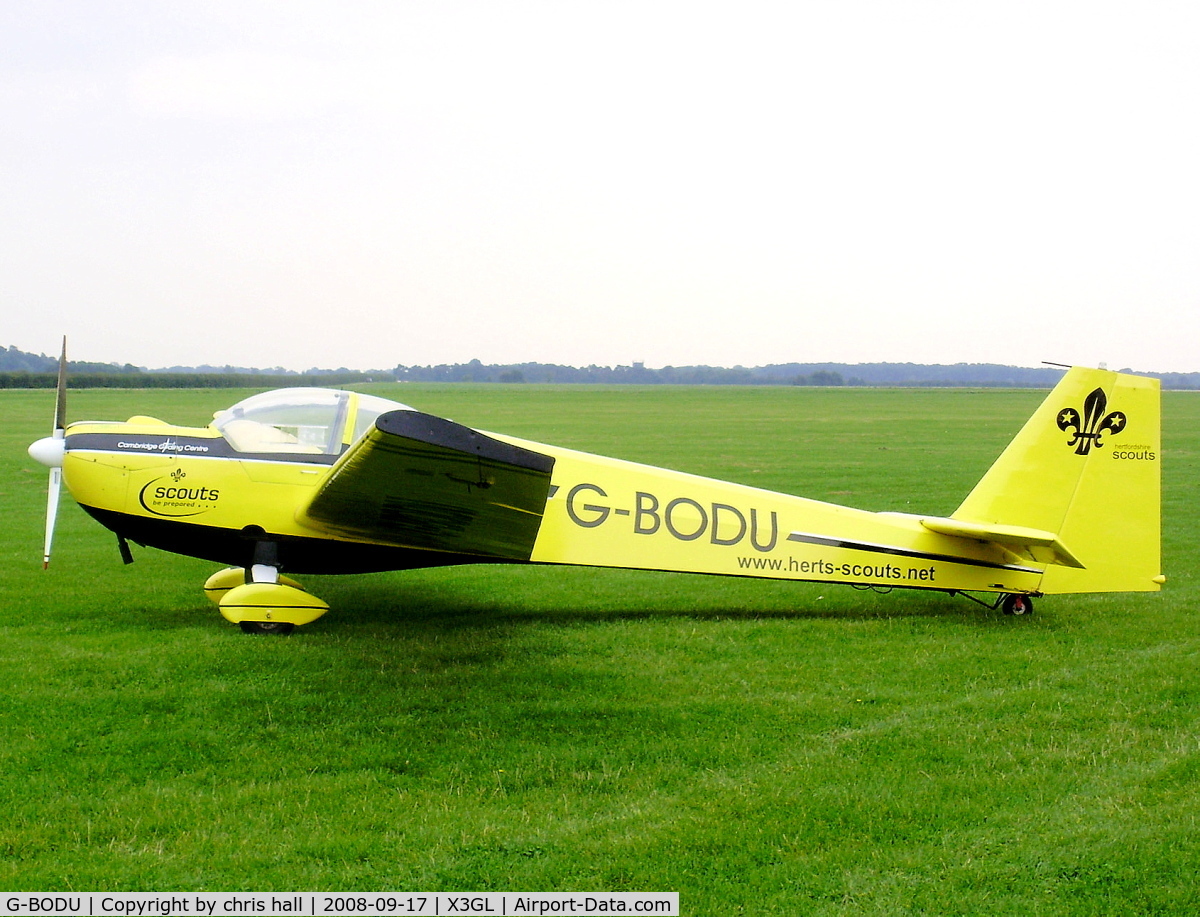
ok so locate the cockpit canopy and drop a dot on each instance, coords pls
(313, 421)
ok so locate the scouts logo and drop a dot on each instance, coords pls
(1088, 429)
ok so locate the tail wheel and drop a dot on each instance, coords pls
(1017, 604)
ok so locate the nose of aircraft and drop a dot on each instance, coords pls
(49, 450)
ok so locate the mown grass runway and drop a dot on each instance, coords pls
(759, 747)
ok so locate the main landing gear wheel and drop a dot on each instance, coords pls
(280, 628)
(1017, 604)
(268, 608)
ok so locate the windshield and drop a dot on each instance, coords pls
(299, 420)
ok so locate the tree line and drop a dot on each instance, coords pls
(817, 374)
(181, 380)
(24, 370)
(27, 370)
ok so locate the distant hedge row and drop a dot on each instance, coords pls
(881, 374)
(177, 380)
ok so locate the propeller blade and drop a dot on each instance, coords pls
(56, 451)
(51, 513)
(60, 403)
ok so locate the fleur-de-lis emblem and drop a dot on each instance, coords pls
(178, 474)
(1094, 422)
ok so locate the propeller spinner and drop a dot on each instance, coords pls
(50, 451)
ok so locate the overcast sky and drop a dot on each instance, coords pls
(367, 184)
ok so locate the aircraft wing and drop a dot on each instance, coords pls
(420, 481)
(1041, 546)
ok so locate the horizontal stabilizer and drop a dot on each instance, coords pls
(1041, 546)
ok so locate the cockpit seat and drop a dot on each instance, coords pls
(251, 436)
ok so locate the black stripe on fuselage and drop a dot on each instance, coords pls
(297, 554)
(806, 538)
(183, 447)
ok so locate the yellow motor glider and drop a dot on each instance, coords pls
(321, 481)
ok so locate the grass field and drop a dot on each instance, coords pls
(759, 747)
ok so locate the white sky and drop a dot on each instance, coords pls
(367, 184)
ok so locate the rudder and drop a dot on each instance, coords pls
(1085, 467)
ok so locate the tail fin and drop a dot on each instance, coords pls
(1085, 468)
